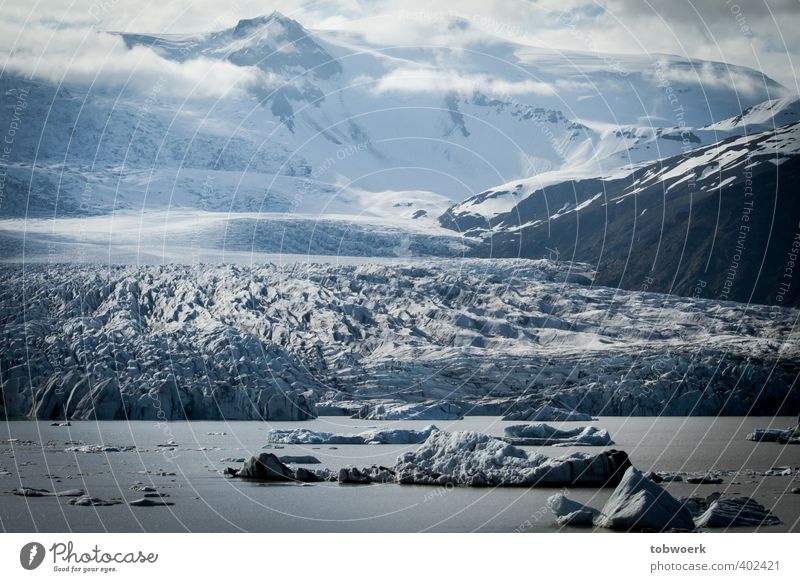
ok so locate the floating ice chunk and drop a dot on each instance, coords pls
(770, 435)
(640, 504)
(33, 492)
(268, 467)
(563, 507)
(735, 512)
(374, 474)
(98, 449)
(470, 458)
(582, 517)
(704, 480)
(547, 413)
(148, 502)
(300, 459)
(544, 434)
(397, 436)
(89, 501)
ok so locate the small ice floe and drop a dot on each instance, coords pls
(233, 460)
(217, 434)
(547, 413)
(736, 512)
(169, 444)
(669, 477)
(546, 435)
(267, 467)
(396, 436)
(374, 474)
(33, 492)
(299, 459)
(149, 502)
(707, 479)
(639, 504)
(68, 423)
(774, 435)
(569, 512)
(779, 472)
(697, 505)
(796, 490)
(143, 488)
(99, 449)
(89, 501)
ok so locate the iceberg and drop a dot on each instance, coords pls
(396, 436)
(475, 459)
(547, 413)
(544, 434)
(569, 512)
(736, 512)
(639, 504)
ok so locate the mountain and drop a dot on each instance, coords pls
(324, 123)
(720, 221)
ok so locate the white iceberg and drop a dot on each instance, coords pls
(771, 435)
(569, 512)
(736, 512)
(639, 504)
(396, 436)
(544, 434)
(547, 413)
(471, 458)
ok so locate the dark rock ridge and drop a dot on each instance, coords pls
(720, 222)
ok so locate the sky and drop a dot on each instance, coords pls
(762, 34)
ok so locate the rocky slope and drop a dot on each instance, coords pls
(490, 337)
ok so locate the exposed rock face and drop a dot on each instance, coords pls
(544, 434)
(213, 342)
(736, 512)
(397, 436)
(639, 504)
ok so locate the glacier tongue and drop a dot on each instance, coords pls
(477, 336)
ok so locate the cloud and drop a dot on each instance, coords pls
(434, 80)
(88, 57)
(761, 34)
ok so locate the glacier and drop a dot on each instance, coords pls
(499, 337)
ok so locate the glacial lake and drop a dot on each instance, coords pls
(207, 501)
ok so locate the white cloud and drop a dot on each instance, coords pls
(85, 56)
(761, 34)
(431, 80)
